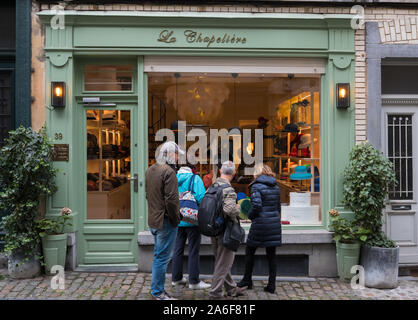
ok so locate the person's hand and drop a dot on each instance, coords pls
(238, 207)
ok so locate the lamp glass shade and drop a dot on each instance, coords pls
(343, 95)
(58, 94)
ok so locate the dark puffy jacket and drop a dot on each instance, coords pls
(266, 228)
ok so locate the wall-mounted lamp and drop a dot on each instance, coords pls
(343, 95)
(58, 94)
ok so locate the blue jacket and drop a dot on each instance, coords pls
(184, 176)
(266, 228)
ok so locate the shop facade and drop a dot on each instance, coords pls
(105, 64)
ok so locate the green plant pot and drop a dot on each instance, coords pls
(54, 250)
(348, 255)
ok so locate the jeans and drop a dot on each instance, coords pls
(193, 235)
(163, 250)
(249, 263)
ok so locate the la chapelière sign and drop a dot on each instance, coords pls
(195, 37)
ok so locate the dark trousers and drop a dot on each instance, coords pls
(192, 234)
(249, 264)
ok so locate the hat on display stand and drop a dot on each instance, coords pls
(305, 141)
(241, 195)
(301, 173)
(291, 127)
(245, 207)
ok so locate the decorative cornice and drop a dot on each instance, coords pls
(400, 101)
(59, 59)
(341, 61)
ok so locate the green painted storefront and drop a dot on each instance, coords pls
(107, 37)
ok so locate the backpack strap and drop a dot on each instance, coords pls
(191, 183)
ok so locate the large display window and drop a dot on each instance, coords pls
(285, 107)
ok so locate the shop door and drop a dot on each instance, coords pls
(400, 141)
(108, 234)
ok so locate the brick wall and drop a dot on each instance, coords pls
(396, 25)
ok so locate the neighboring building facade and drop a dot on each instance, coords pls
(15, 62)
(138, 61)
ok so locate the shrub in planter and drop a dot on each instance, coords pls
(366, 181)
(348, 237)
(26, 175)
(54, 240)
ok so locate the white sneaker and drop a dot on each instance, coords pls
(180, 282)
(163, 296)
(200, 285)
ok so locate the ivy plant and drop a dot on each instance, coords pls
(26, 175)
(365, 187)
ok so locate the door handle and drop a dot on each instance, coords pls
(136, 180)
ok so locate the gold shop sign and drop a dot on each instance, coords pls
(208, 39)
(60, 152)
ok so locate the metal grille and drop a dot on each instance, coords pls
(5, 105)
(400, 154)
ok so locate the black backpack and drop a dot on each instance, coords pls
(210, 216)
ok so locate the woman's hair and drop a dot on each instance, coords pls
(263, 169)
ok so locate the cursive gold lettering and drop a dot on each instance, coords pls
(192, 36)
(212, 40)
(166, 36)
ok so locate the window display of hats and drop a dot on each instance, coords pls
(300, 210)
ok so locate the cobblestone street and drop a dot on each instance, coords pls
(136, 286)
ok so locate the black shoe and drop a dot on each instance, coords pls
(270, 289)
(243, 283)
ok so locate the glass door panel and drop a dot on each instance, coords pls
(108, 164)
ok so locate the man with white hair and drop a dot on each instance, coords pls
(224, 258)
(162, 195)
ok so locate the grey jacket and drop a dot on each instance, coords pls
(229, 200)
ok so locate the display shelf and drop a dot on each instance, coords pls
(106, 132)
(107, 159)
(296, 158)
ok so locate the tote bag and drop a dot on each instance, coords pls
(234, 235)
(188, 204)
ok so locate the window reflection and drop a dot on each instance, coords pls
(108, 78)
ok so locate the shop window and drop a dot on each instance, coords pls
(108, 78)
(285, 108)
(5, 106)
(400, 154)
(108, 164)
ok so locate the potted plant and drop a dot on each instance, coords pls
(54, 239)
(366, 181)
(348, 238)
(26, 176)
